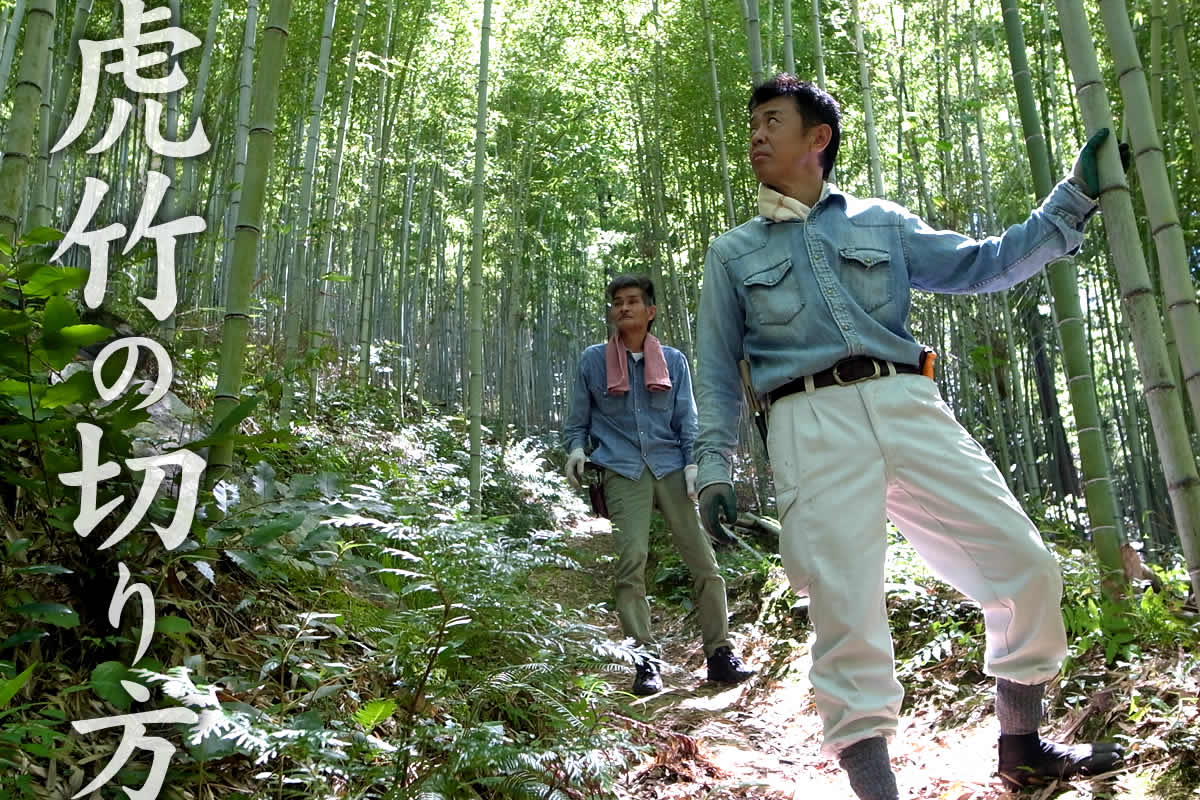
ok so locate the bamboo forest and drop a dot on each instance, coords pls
(372, 422)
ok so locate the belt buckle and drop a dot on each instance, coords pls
(837, 377)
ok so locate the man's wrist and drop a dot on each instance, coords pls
(701, 487)
(712, 468)
(1080, 184)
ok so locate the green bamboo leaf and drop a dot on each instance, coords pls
(274, 529)
(11, 686)
(22, 637)
(54, 613)
(41, 235)
(223, 429)
(50, 280)
(83, 335)
(44, 569)
(58, 314)
(79, 388)
(106, 683)
(248, 561)
(15, 388)
(15, 323)
(172, 625)
(375, 712)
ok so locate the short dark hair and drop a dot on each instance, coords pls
(816, 106)
(632, 282)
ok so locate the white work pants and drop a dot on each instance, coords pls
(843, 457)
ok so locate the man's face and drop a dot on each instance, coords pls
(781, 149)
(629, 312)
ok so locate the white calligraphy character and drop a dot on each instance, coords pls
(134, 737)
(164, 235)
(91, 472)
(133, 38)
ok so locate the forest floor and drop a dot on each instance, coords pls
(762, 739)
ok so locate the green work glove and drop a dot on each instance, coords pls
(716, 501)
(1086, 173)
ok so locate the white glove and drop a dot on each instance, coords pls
(575, 466)
(689, 476)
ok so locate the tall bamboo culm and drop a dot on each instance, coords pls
(27, 96)
(297, 300)
(260, 146)
(1099, 494)
(1141, 312)
(475, 303)
(1174, 273)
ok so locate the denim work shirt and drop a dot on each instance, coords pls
(640, 427)
(794, 298)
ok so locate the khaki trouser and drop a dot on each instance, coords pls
(629, 507)
(844, 456)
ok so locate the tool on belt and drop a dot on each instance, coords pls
(593, 477)
(928, 356)
(756, 409)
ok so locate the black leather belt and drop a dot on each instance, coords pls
(844, 373)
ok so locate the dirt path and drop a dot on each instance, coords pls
(762, 739)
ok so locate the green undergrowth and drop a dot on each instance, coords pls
(345, 632)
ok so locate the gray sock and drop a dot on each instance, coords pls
(1019, 706)
(866, 763)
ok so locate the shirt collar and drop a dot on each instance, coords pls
(778, 207)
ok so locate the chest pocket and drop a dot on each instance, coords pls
(773, 294)
(611, 405)
(866, 274)
(660, 401)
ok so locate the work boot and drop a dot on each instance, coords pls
(647, 681)
(725, 667)
(1028, 760)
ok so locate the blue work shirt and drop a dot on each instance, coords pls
(638, 428)
(796, 297)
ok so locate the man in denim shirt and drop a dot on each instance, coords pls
(633, 397)
(814, 293)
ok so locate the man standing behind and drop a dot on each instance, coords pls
(633, 398)
(815, 293)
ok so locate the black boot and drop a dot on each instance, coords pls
(725, 667)
(1027, 760)
(647, 681)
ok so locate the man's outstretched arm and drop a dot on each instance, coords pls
(945, 261)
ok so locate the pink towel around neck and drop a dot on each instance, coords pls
(617, 366)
